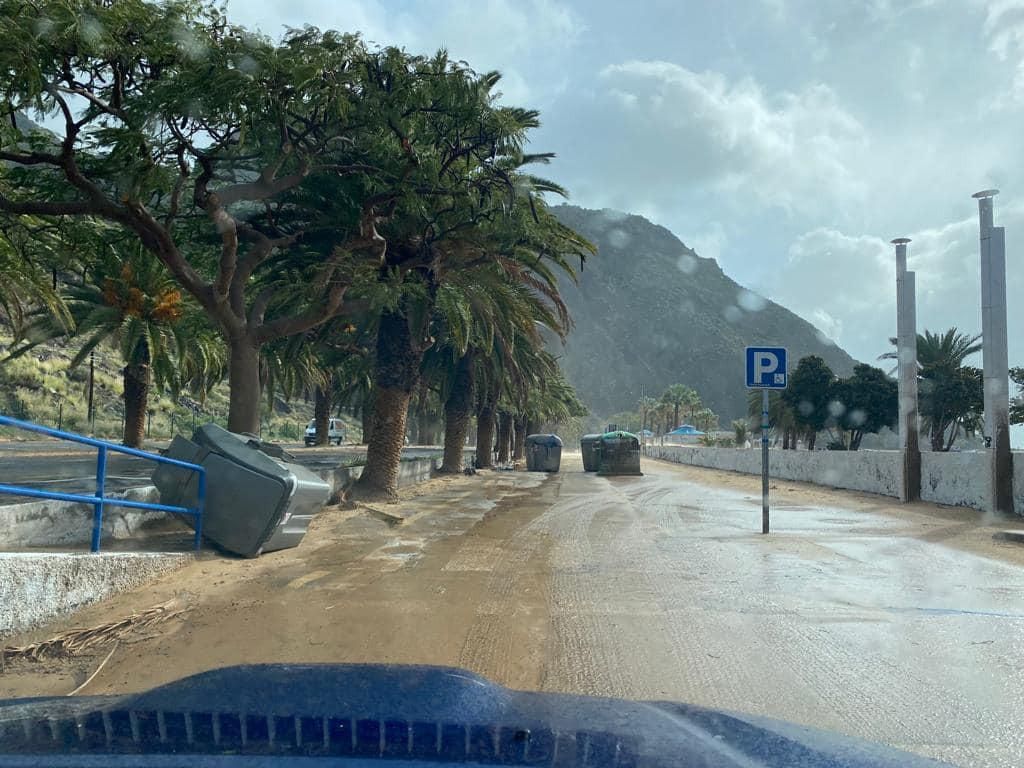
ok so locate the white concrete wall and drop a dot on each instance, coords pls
(60, 524)
(44, 523)
(960, 479)
(956, 479)
(869, 471)
(35, 588)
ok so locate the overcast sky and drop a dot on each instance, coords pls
(788, 139)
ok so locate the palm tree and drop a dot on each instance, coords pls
(780, 416)
(130, 300)
(677, 396)
(948, 349)
(950, 395)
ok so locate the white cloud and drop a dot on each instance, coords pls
(793, 150)
(1004, 27)
(846, 284)
(488, 34)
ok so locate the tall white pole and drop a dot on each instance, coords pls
(994, 353)
(906, 355)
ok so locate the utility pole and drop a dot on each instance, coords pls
(906, 356)
(994, 354)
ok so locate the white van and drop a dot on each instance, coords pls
(335, 433)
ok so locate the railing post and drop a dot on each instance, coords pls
(101, 480)
(200, 508)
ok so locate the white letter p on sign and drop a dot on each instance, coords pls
(764, 363)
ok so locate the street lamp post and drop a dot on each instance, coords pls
(994, 353)
(906, 357)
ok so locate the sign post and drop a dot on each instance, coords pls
(766, 370)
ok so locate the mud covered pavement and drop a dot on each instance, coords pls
(903, 625)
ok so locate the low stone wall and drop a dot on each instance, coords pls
(960, 479)
(35, 588)
(868, 471)
(46, 523)
(61, 524)
(957, 479)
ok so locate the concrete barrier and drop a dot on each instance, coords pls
(869, 471)
(960, 479)
(61, 524)
(35, 588)
(957, 479)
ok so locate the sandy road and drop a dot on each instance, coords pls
(903, 625)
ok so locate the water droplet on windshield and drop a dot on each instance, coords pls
(687, 263)
(619, 238)
(750, 301)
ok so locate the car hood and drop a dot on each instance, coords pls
(360, 714)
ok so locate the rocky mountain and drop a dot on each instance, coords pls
(649, 311)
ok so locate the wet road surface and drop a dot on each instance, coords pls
(902, 625)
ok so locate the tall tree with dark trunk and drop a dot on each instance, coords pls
(202, 141)
(504, 436)
(400, 349)
(458, 411)
(322, 414)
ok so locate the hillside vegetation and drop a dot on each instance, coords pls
(651, 312)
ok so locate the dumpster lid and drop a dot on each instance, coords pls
(619, 435)
(591, 438)
(549, 440)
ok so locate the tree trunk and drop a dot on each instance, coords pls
(244, 386)
(458, 409)
(519, 451)
(396, 375)
(812, 438)
(366, 414)
(504, 436)
(136, 398)
(484, 436)
(322, 416)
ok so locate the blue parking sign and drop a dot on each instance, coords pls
(766, 368)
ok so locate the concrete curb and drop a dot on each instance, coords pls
(37, 588)
(1015, 536)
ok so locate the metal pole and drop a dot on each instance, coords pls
(101, 479)
(764, 461)
(60, 414)
(91, 418)
(906, 358)
(994, 353)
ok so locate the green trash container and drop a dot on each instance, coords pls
(619, 454)
(543, 453)
(588, 447)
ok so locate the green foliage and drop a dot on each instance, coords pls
(951, 401)
(740, 428)
(1017, 402)
(809, 395)
(863, 404)
(950, 395)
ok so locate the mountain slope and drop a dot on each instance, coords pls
(649, 311)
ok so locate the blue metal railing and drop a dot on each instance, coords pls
(99, 500)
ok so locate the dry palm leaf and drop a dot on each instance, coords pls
(82, 639)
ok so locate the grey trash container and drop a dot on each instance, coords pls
(589, 449)
(254, 503)
(543, 453)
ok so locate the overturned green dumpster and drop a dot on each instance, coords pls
(618, 453)
(588, 447)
